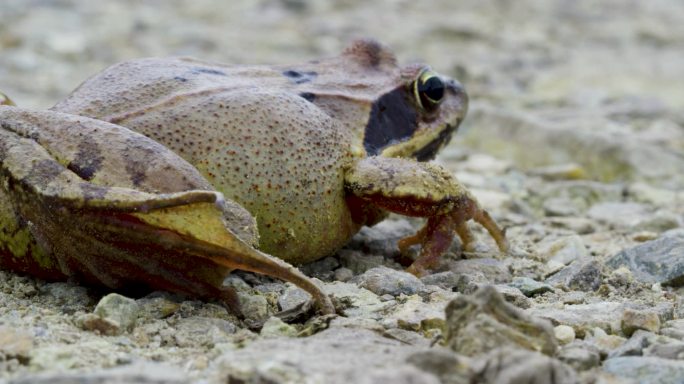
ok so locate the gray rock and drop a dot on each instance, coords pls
(70, 297)
(139, 373)
(387, 281)
(449, 367)
(494, 271)
(518, 366)
(646, 369)
(274, 327)
(359, 356)
(255, 308)
(321, 269)
(292, 297)
(635, 345)
(582, 274)
(674, 329)
(202, 331)
(580, 355)
(560, 206)
(673, 350)
(359, 262)
(484, 321)
(657, 261)
(355, 301)
(119, 309)
(632, 215)
(583, 318)
(530, 287)
(343, 274)
(513, 296)
(157, 306)
(444, 280)
(562, 250)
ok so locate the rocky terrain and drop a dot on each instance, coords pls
(574, 142)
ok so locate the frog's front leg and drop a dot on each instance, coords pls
(427, 190)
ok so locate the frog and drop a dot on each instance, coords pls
(311, 151)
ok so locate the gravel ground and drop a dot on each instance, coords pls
(573, 142)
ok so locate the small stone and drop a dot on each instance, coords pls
(513, 296)
(444, 280)
(321, 269)
(583, 318)
(103, 325)
(157, 307)
(560, 206)
(274, 327)
(343, 274)
(494, 271)
(646, 369)
(657, 261)
(635, 345)
(583, 274)
(579, 355)
(383, 280)
(621, 277)
(484, 321)
(418, 316)
(604, 342)
(201, 331)
(254, 307)
(359, 262)
(563, 250)
(508, 365)
(569, 171)
(15, 343)
(635, 319)
(564, 334)
(530, 287)
(674, 329)
(292, 297)
(449, 367)
(120, 309)
(355, 301)
(138, 373)
(70, 297)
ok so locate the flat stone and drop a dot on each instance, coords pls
(494, 271)
(419, 316)
(633, 320)
(388, 281)
(449, 367)
(635, 345)
(580, 355)
(646, 369)
(583, 318)
(199, 331)
(658, 261)
(138, 373)
(274, 327)
(519, 366)
(483, 321)
(292, 297)
(359, 262)
(355, 301)
(583, 275)
(530, 287)
(563, 250)
(674, 329)
(360, 356)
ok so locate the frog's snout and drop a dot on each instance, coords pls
(457, 92)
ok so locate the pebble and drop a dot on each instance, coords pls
(274, 327)
(418, 316)
(137, 373)
(657, 261)
(112, 315)
(255, 308)
(674, 329)
(583, 275)
(507, 365)
(646, 369)
(388, 281)
(564, 334)
(483, 321)
(562, 250)
(633, 320)
(580, 355)
(530, 287)
(359, 262)
(583, 318)
(634, 216)
(343, 274)
(15, 343)
(292, 297)
(493, 270)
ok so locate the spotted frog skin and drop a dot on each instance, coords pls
(312, 151)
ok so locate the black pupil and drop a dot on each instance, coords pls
(432, 88)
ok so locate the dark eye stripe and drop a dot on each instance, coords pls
(393, 118)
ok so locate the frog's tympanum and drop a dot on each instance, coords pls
(311, 151)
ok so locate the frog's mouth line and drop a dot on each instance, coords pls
(429, 151)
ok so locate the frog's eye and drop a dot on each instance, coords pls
(428, 89)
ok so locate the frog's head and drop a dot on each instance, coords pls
(417, 118)
(396, 111)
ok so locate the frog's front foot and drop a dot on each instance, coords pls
(423, 190)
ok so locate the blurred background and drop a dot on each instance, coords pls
(595, 83)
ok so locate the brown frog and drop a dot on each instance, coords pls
(312, 151)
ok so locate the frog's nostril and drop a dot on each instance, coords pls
(455, 87)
